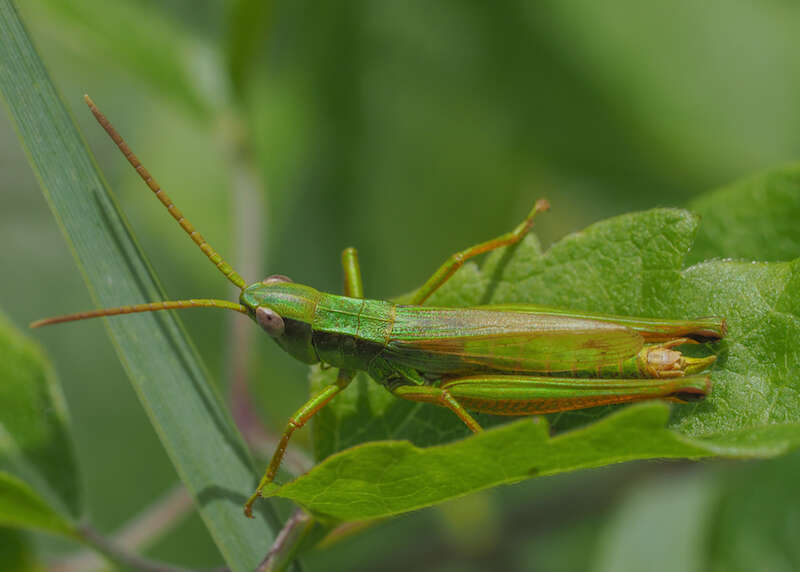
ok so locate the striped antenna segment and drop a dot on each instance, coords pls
(212, 254)
(149, 307)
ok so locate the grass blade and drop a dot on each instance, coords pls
(161, 362)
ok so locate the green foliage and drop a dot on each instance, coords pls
(657, 530)
(755, 219)
(155, 49)
(756, 517)
(630, 265)
(742, 517)
(34, 432)
(699, 82)
(16, 551)
(408, 131)
(246, 19)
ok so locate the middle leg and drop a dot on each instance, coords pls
(442, 397)
(353, 285)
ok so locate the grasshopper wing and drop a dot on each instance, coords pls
(455, 341)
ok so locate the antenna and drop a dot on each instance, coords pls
(212, 254)
(148, 307)
(198, 239)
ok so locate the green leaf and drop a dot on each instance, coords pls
(21, 507)
(168, 375)
(34, 430)
(754, 219)
(630, 265)
(385, 478)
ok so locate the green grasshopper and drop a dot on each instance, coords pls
(510, 359)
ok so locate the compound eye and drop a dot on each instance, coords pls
(269, 319)
(276, 278)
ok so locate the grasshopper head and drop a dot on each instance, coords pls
(285, 311)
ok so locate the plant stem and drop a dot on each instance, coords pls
(137, 533)
(288, 542)
(120, 555)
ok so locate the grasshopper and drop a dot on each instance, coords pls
(510, 359)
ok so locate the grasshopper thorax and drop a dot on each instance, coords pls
(285, 310)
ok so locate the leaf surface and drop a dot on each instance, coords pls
(21, 507)
(385, 478)
(636, 265)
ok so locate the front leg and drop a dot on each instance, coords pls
(353, 287)
(296, 421)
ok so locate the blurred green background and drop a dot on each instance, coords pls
(409, 130)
